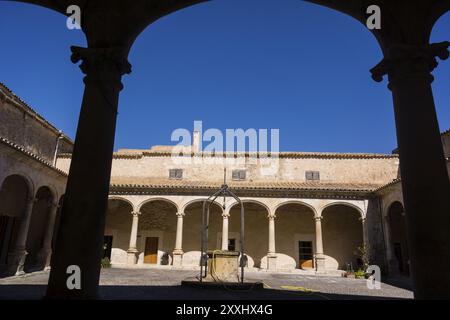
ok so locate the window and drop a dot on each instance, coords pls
(312, 175)
(175, 173)
(238, 175)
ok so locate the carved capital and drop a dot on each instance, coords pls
(102, 64)
(318, 218)
(180, 214)
(271, 216)
(403, 61)
(135, 213)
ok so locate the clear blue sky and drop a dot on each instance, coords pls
(287, 64)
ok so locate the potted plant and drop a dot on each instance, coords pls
(106, 263)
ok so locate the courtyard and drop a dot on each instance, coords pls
(165, 284)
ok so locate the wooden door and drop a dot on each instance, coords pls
(151, 250)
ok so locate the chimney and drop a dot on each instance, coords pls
(196, 141)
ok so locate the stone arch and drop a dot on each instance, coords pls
(15, 193)
(299, 202)
(40, 216)
(346, 204)
(124, 199)
(399, 261)
(117, 230)
(192, 230)
(157, 223)
(190, 202)
(244, 201)
(342, 233)
(295, 235)
(52, 189)
(143, 203)
(256, 229)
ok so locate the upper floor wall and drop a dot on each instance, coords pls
(25, 127)
(332, 168)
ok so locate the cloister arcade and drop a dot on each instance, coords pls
(280, 234)
(409, 59)
(29, 217)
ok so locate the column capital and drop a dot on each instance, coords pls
(404, 60)
(135, 213)
(318, 218)
(362, 219)
(225, 215)
(104, 64)
(271, 216)
(180, 214)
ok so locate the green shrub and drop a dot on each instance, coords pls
(106, 263)
(360, 274)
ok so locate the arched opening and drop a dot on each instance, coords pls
(38, 224)
(14, 195)
(295, 236)
(117, 231)
(156, 232)
(256, 231)
(342, 234)
(192, 231)
(397, 227)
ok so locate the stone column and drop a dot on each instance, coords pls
(178, 250)
(45, 253)
(365, 231)
(225, 231)
(271, 254)
(132, 251)
(81, 232)
(16, 259)
(319, 256)
(425, 182)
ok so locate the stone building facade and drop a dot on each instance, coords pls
(304, 212)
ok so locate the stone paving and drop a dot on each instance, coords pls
(165, 284)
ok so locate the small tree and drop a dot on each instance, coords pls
(363, 253)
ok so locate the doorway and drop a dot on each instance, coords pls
(151, 250)
(305, 254)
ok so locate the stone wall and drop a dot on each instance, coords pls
(446, 143)
(23, 126)
(376, 170)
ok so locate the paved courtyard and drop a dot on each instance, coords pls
(166, 284)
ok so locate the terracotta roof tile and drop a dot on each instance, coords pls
(30, 155)
(135, 182)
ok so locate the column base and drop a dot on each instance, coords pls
(132, 256)
(177, 258)
(320, 263)
(16, 262)
(272, 261)
(44, 257)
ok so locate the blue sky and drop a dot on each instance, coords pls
(261, 64)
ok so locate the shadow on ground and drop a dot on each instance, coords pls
(37, 292)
